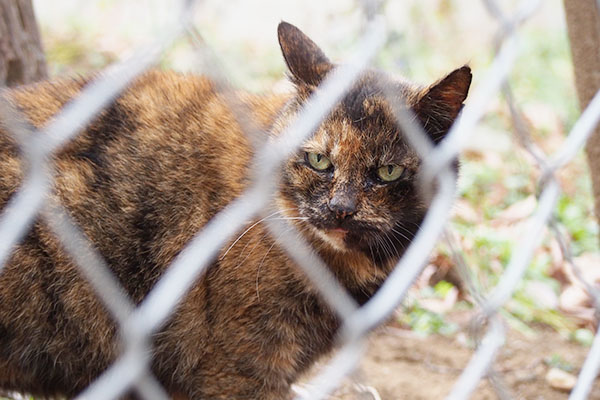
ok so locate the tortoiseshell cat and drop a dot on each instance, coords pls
(153, 168)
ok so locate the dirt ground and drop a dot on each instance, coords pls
(401, 365)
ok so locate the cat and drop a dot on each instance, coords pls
(153, 168)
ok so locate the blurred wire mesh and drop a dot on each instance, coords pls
(137, 324)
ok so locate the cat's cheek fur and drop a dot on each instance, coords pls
(305, 187)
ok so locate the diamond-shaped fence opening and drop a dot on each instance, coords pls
(137, 323)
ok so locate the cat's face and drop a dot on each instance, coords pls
(354, 181)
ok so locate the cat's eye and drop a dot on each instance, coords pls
(318, 161)
(390, 172)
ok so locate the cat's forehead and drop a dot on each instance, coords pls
(345, 142)
(368, 96)
(363, 121)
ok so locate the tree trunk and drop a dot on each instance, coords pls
(21, 54)
(583, 22)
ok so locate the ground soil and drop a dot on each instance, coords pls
(402, 365)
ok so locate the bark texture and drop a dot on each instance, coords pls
(583, 22)
(21, 54)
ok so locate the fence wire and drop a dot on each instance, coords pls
(137, 324)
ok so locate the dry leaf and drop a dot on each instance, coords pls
(589, 266)
(518, 211)
(560, 380)
(441, 306)
(463, 210)
(575, 302)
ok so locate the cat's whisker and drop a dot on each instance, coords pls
(411, 233)
(401, 234)
(372, 255)
(252, 226)
(262, 261)
(416, 225)
(400, 242)
(246, 231)
(383, 246)
(393, 248)
(388, 250)
(251, 250)
(384, 241)
(287, 228)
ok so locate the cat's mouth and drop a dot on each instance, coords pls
(337, 234)
(336, 237)
(346, 236)
(378, 243)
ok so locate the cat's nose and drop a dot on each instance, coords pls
(343, 205)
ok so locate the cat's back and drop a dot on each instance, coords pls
(165, 114)
(170, 141)
(145, 174)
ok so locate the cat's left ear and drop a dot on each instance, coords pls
(439, 104)
(306, 61)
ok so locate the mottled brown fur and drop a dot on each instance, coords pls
(151, 170)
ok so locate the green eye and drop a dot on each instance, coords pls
(318, 161)
(390, 173)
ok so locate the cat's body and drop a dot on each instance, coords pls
(151, 170)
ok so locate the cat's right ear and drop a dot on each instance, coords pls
(306, 61)
(440, 103)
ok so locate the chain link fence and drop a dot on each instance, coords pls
(137, 324)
